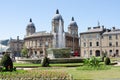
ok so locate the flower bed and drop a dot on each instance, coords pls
(36, 75)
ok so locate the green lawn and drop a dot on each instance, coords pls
(25, 64)
(110, 74)
(113, 73)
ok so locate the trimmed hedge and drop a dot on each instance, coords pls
(66, 60)
(56, 60)
(107, 61)
(6, 62)
(45, 62)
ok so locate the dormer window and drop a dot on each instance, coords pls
(110, 37)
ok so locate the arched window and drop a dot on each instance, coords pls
(90, 43)
(97, 43)
(90, 52)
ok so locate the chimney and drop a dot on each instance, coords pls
(102, 26)
(89, 28)
(113, 28)
(17, 37)
(107, 30)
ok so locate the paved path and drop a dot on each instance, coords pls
(118, 63)
(25, 68)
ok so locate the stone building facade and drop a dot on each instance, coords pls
(99, 40)
(34, 41)
(15, 46)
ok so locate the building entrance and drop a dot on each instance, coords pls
(97, 53)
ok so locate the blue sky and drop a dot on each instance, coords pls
(15, 14)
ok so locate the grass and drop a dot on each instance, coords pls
(112, 73)
(25, 64)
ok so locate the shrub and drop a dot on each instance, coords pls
(93, 62)
(45, 62)
(107, 61)
(7, 62)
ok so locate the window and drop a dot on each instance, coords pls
(110, 37)
(110, 52)
(116, 36)
(84, 44)
(102, 37)
(110, 43)
(97, 43)
(117, 52)
(90, 43)
(84, 37)
(97, 36)
(90, 37)
(116, 43)
(90, 52)
(46, 44)
(84, 53)
(40, 44)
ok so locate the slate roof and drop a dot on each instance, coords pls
(41, 33)
(93, 30)
(117, 31)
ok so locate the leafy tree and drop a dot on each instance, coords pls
(24, 51)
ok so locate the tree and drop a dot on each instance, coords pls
(24, 51)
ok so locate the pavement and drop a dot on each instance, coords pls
(25, 68)
(118, 63)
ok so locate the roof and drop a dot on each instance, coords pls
(31, 24)
(41, 33)
(96, 30)
(68, 34)
(15, 40)
(73, 23)
(117, 31)
(57, 16)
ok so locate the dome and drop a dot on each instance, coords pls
(73, 23)
(57, 16)
(31, 24)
